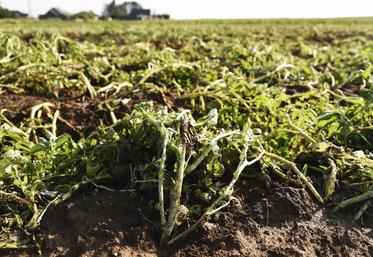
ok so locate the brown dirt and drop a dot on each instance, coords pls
(83, 114)
(283, 222)
(351, 90)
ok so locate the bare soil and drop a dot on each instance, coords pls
(282, 222)
(82, 114)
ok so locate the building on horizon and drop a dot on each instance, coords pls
(55, 13)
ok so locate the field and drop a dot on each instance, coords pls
(186, 138)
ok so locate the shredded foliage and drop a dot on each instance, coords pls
(285, 103)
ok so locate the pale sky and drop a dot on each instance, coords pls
(218, 9)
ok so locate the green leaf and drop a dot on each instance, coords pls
(354, 100)
(4, 164)
(38, 148)
(368, 71)
(215, 168)
(61, 140)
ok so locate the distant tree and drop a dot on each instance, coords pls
(114, 11)
(5, 13)
(84, 16)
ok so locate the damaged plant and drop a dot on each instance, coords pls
(187, 155)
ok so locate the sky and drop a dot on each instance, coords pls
(214, 9)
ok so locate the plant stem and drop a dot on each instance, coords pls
(161, 178)
(362, 210)
(175, 194)
(330, 183)
(308, 137)
(365, 196)
(54, 123)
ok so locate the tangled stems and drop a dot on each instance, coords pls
(225, 193)
(295, 169)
